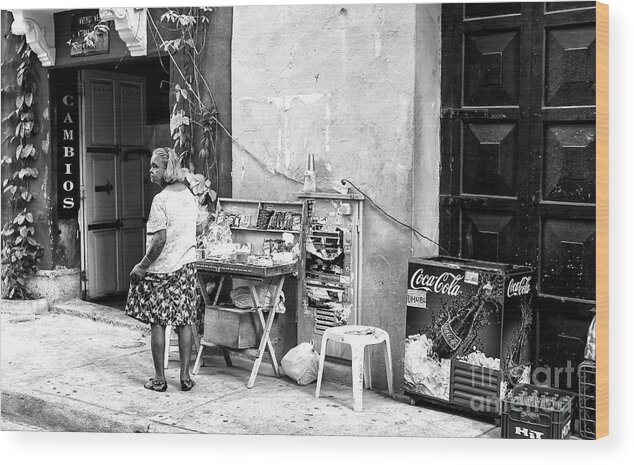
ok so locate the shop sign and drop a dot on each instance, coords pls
(68, 192)
(89, 34)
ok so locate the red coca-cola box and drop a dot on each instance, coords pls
(469, 331)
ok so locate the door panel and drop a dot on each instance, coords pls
(569, 162)
(489, 165)
(104, 246)
(100, 186)
(491, 75)
(483, 10)
(133, 188)
(489, 236)
(133, 241)
(567, 262)
(570, 65)
(132, 113)
(561, 6)
(100, 125)
(114, 209)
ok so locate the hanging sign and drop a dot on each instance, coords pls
(89, 34)
(68, 193)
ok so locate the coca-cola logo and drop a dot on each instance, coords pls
(521, 287)
(445, 283)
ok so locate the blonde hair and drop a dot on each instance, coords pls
(172, 162)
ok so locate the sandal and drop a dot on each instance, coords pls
(187, 384)
(156, 385)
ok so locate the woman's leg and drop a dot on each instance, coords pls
(158, 351)
(184, 349)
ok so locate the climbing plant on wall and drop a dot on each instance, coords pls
(182, 34)
(20, 249)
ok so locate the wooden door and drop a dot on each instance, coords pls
(518, 154)
(114, 170)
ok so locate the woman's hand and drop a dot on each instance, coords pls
(138, 272)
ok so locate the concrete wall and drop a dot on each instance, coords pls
(426, 167)
(341, 82)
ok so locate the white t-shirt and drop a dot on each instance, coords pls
(176, 212)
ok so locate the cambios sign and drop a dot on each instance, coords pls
(68, 192)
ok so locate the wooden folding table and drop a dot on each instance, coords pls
(253, 274)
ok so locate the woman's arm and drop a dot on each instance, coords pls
(158, 242)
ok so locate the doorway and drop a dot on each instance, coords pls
(114, 163)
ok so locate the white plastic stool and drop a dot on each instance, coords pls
(358, 337)
(168, 343)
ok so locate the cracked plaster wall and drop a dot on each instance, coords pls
(340, 82)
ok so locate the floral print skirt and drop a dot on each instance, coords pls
(165, 299)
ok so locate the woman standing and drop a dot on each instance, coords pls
(163, 284)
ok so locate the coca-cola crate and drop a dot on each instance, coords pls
(474, 387)
(587, 399)
(520, 421)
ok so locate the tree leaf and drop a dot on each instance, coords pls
(19, 101)
(18, 151)
(28, 99)
(29, 217)
(23, 232)
(18, 240)
(20, 77)
(31, 241)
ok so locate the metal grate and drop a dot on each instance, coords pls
(324, 319)
(474, 387)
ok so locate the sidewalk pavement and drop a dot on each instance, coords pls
(81, 367)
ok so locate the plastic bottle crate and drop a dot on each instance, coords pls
(587, 399)
(521, 421)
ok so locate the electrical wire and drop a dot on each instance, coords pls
(442, 249)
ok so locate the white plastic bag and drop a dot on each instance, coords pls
(301, 363)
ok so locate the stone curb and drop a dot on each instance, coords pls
(96, 312)
(53, 415)
(25, 307)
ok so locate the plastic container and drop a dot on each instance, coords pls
(522, 421)
(587, 399)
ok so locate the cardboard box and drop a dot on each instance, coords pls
(230, 327)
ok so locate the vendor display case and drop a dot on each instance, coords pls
(332, 267)
(469, 331)
(254, 240)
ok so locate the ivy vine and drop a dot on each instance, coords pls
(20, 249)
(194, 103)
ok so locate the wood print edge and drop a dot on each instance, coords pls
(602, 222)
